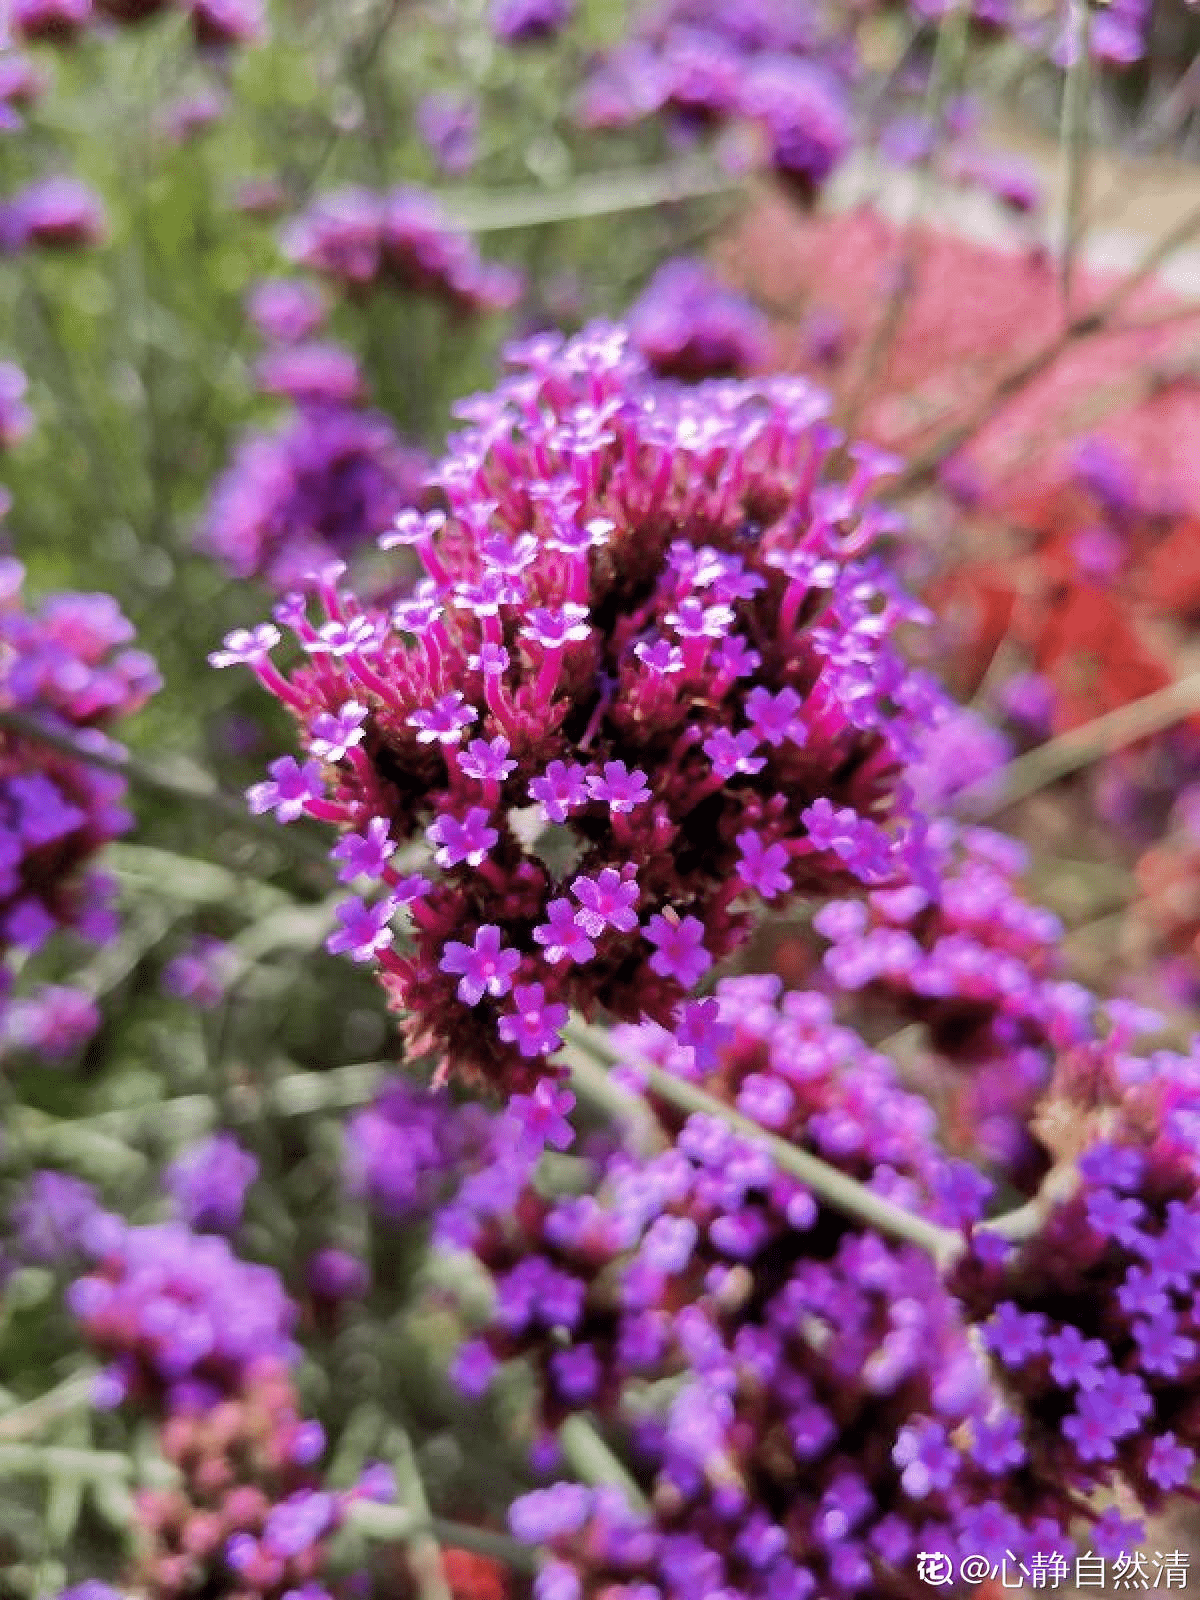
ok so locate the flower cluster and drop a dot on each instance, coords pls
(1093, 1320)
(215, 24)
(648, 675)
(803, 1406)
(322, 485)
(688, 325)
(67, 665)
(705, 64)
(359, 238)
(208, 1183)
(405, 1149)
(201, 1341)
(52, 214)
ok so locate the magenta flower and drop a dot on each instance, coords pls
(607, 901)
(288, 790)
(486, 760)
(364, 930)
(680, 952)
(445, 721)
(731, 753)
(621, 789)
(485, 967)
(562, 938)
(763, 867)
(333, 734)
(542, 1116)
(562, 788)
(534, 1026)
(364, 855)
(776, 717)
(467, 840)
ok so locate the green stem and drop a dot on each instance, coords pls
(844, 1193)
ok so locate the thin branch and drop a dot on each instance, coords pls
(1019, 377)
(591, 1460)
(600, 195)
(1076, 103)
(1073, 751)
(74, 1394)
(832, 1185)
(424, 1552)
(378, 1521)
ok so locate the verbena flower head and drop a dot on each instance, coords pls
(1094, 1317)
(69, 666)
(208, 1183)
(652, 645)
(802, 1403)
(521, 21)
(359, 238)
(180, 1318)
(325, 483)
(53, 214)
(688, 325)
(449, 126)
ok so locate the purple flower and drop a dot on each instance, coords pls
(535, 1025)
(449, 125)
(487, 760)
(561, 936)
(607, 901)
(731, 753)
(1170, 1463)
(467, 840)
(296, 1524)
(56, 214)
(621, 789)
(335, 734)
(561, 789)
(776, 717)
(484, 967)
(763, 867)
(364, 929)
(1076, 1362)
(286, 310)
(542, 1115)
(289, 789)
(679, 952)
(445, 721)
(364, 855)
(1016, 1336)
(524, 21)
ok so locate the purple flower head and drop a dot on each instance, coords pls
(688, 325)
(286, 310)
(449, 125)
(208, 1183)
(55, 214)
(589, 598)
(524, 21)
